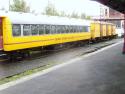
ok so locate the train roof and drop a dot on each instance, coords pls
(28, 18)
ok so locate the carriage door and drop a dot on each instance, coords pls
(1, 35)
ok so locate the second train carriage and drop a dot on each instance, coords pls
(102, 30)
(23, 30)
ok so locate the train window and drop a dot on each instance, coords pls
(80, 29)
(53, 29)
(66, 29)
(16, 30)
(86, 28)
(62, 29)
(47, 29)
(41, 29)
(74, 30)
(34, 29)
(58, 29)
(26, 30)
(71, 29)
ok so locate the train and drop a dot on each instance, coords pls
(21, 32)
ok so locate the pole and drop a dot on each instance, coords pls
(124, 36)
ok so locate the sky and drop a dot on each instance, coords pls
(68, 6)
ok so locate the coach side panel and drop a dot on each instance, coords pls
(23, 42)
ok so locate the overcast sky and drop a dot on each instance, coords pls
(80, 6)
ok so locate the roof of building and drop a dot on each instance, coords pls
(118, 5)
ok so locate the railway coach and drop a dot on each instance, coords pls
(23, 31)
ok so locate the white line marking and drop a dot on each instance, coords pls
(29, 77)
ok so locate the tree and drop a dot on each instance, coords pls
(83, 16)
(62, 14)
(74, 15)
(88, 17)
(19, 6)
(51, 10)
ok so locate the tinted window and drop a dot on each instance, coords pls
(53, 29)
(41, 29)
(70, 29)
(58, 29)
(81, 28)
(78, 29)
(47, 29)
(26, 30)
(62, 29)
(75, 29)
(85, 28)
(66, 29)
(34, 29)
(16, 30)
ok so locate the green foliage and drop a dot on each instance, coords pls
(74, 15)
(63, 14)
(88, 17)
(19, 6)
(51, 10)
(83, 16)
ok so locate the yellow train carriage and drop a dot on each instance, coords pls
(95, 30)
(22, 32)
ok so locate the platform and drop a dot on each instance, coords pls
(100, 73)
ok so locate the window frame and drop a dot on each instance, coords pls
(37, 30)
(13, 32)
(43, 25)
(29, 30)
(47, 25)
(53, 30)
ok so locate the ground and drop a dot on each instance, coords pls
(100, 73)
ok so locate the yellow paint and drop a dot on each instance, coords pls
(104, 30)
(109, 30)
(95, 30)
(16, 43)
